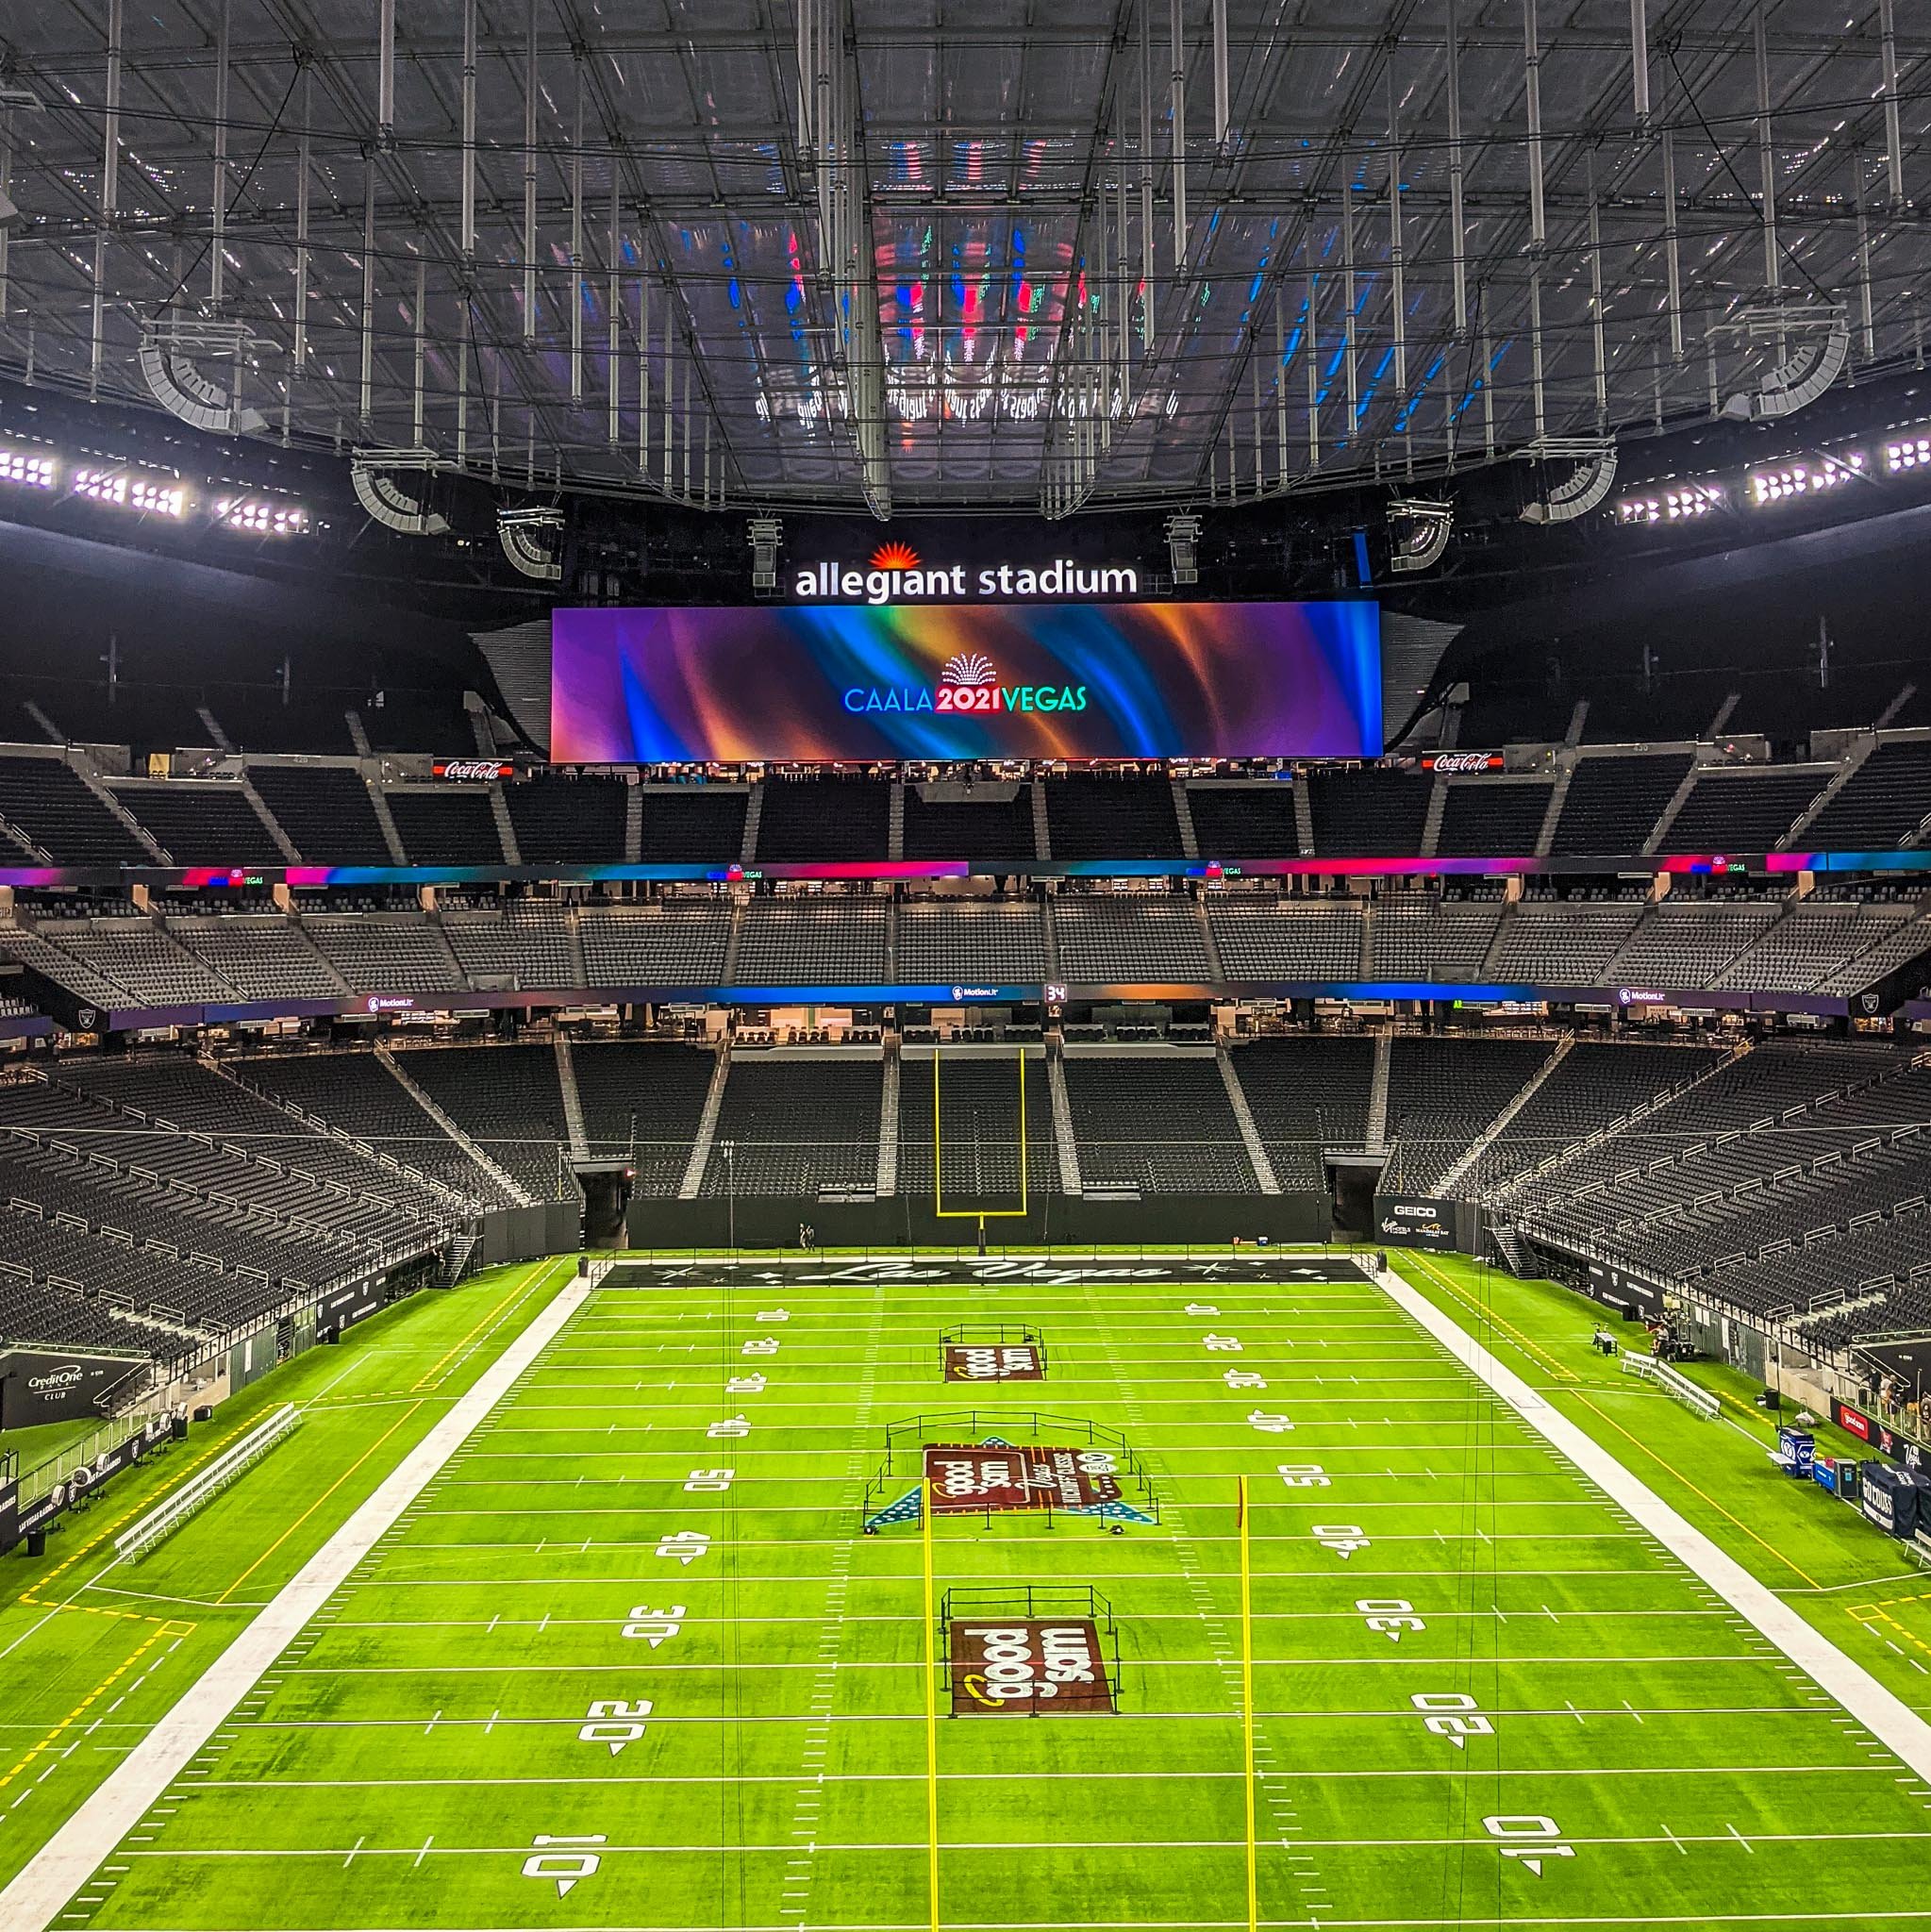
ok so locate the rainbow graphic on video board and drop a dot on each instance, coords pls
(837, 683)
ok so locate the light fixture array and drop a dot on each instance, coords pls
(149, 493)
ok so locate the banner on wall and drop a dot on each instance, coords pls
(1881, 1436)
(850, 684)
(1413, 1220)
(48, 1386)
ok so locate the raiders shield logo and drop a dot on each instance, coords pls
(85, 1019)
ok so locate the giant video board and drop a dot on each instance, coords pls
(838, 683)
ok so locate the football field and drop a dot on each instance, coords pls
(634, 1656)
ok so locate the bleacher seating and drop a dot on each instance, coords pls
(325, 811)
(989, 942)
(1483, 818)
(1245, 820)
(446, 825)
(1564, 941)
(1369, 813)
(139, 956)
(1684, 943)
(1155, 1123)
(52, 807)
(1128, 936)
(200, 823)
(1417, 936)
(355, 1092)
(1111, 818)
(831, 940)
(1880, 806)
(823, 819)
(1614, 803)
(656, 942)
(641, 1104)
(696, 824)
(508, 1101)
(262, 955)
(1307, 1093)
(570, 821)
(386, 952)
(1749, 810)
(1443, 1092)
(995, 821)
(1261, 937)
(797, 1127)
(513, 943)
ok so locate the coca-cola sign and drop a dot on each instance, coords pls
(473, 768)
(1451, 762)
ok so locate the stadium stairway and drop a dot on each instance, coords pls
(1250, 1134)
(1375, 1138)
(573, 1100)
(518, 1194)
(886, 1182)
(1452, 1180)
(691, 1186)
(1062, 1121)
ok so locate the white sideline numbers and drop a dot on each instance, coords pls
(1304, 1475)
(1534, 1837)
(710, 1481)
(1343, 1539)
(732, 1426)
(1269, 1424)
(601, 1730)
(659, 1626)
(1391, 1615)
(1453, 1716)
(760, 1345)
(566, 1868)
(686, 1546)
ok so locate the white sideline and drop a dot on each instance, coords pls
(43, 1885)
(1887, 1717)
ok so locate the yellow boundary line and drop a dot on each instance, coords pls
(438, 1371)
(1560, 1370)
(318, 1501)
(931, 1714)
(99, 1691)
(1247, 1710)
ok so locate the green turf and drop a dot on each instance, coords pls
(405, 1758)
(89, 1657)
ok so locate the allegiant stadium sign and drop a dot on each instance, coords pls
(895, 576)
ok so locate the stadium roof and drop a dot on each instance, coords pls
(928, 277)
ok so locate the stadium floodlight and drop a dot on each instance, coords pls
(1183, 546)
(531, 541)
(385, 500)
(765, 533)
(1580, 491)
(168, 343)
(26, 467)
(1671, 502)
(1805, 476)
(1418, 533)
(1822, 347)
(262, 516)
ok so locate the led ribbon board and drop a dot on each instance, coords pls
(853, 683)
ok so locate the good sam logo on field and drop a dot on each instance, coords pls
(968, 682)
